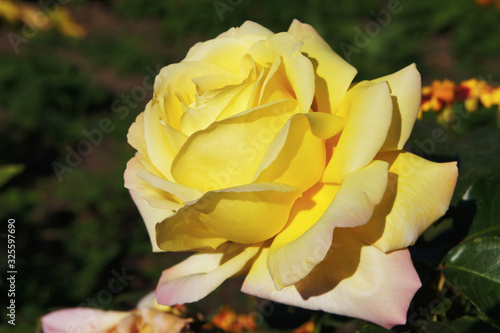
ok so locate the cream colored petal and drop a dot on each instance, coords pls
(368, 111)
(406, 92)
(304, 242)
(333, 74)
(353, 280)
(82, 320)
(419, 193)
(154, 204)
(200, 274)
(245, 214)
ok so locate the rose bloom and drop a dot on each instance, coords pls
(260, 153)
(149, 317)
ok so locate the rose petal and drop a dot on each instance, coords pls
(245, 214)
(299, 146)
(296, 74)
(406, 92)
(228, 152)
(215, 51)
(419, 193)
(354, 280)
(81, 320)
(368, 108)
(200, 274)
(304, 242)
(182, 192)
(135, 135)
(174, 87)
(228, 102)
(249, 31)
(153, 204)
(162, 141)
(333, 74)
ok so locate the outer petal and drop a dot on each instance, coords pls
(368, 108)
(151, 216)
(249, 31)
(162, 141)
(245, 214)
(354, 280)
(333, 74)
(308, 235)
(153, 204)
(135, 135)
(81, 320)
(228, 152)
(200, 274)
(224, 51)
(406, 92)
(419, 193)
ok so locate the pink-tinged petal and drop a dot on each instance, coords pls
(406, 92)
(81, 320)
(419, 193)
(333, 74)
(200, 274)
(368, 111)
(355, 279)
(305, 240)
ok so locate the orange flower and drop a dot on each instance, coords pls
(444, 91)
(229, 321)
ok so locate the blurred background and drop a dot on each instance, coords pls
(75, 74)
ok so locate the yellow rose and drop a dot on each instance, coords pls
(258, 151)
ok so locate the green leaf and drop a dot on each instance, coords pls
(473, 268)
(464, 324)
(486, 222)
(7, 172)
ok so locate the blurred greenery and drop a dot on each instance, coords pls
(77, 227)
